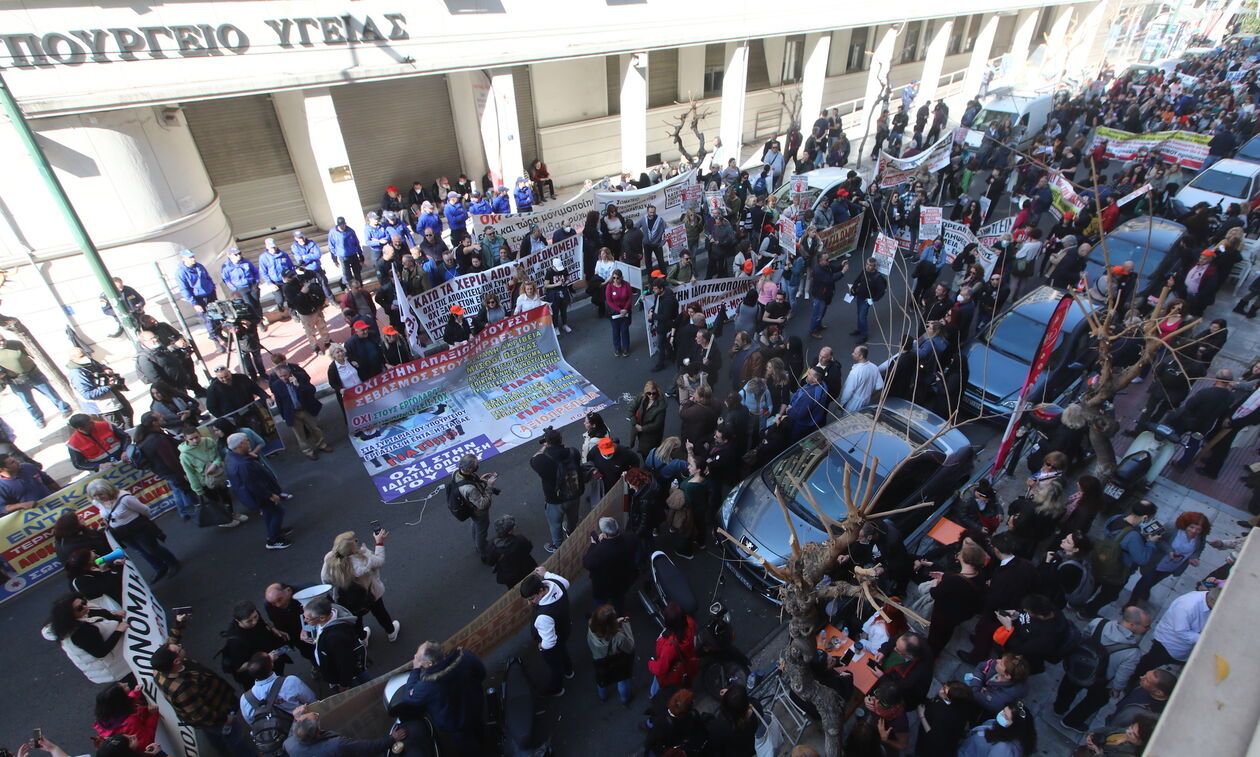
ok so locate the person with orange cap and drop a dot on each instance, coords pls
(394, 346)
(364, 351)
(611, 460)
(458, 328)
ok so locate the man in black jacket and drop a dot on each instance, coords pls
(663, 315)
(822, 287)
(1201, 412)
(1040, 633)
(340, 643)
(306, 298)
(156, 363)
(229, 392)
(1067, 274)
(868, 288)
(1013, 579)
(611, 460)
(610, 561)
(914, 669)
(553, 462)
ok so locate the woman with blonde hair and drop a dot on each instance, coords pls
(355, 575)
(649, 418)
(529, 298)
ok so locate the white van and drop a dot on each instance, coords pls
(1009, 104)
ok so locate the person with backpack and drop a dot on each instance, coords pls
(1125, 547)
(340, 643)
(559, 469)
(267, 706)
(1066, 575)
(469, 497)
(1100, 665)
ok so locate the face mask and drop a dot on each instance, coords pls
(1002, 720)
(958, 298)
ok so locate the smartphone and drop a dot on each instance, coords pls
(186, 610)
(376, 526)
(37, 738)
(848, 656)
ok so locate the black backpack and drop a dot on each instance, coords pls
(568, 477)
(354, 597)
(1086, 663)
(457, 503)
(270, 725)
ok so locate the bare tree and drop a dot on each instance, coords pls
(885, 92)
(690, 119)
(790, 102)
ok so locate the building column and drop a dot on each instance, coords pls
(690, 73)
(1025, 26)
(775, 48)
(877, 77)
(980, 57)
(734, 90)
(1056, 42)
(935, 60)
(814, 76)
(312, 131)
(634, 74)
(483, 104)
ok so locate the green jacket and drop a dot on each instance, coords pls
(195, 458)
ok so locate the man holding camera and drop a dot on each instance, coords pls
(1128, 543)
(99, 389)
(241, 278)
(305, 298)
(478, 491)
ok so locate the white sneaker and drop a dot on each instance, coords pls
(230, 524)
(367, 635)
(565, 328)
(240, 517)
(397, 630)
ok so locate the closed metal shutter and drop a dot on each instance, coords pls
(526, 124)
(244, 152)
(396, 132)
(662, 77)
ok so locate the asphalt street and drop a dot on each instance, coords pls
(434, 581)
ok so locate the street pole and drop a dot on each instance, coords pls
(68, 213)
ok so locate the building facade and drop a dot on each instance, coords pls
(202, 124)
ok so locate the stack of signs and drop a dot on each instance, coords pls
(411, 424)
(893, 171)
(431, 307)
(885, 252)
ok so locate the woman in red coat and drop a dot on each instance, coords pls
(121, 709)
(675, 662)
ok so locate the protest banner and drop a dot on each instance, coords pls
(1130, 197)
(360, 712)
(893, 171)
(714, 296)
(146, 633)
(929, 222)
(991, 233)
(1184, 148)
(675, 243)
(842, 238)
(666, 196)
(787, 235)
(957, 236)
(513, 227)
(29, 555)
(885, 252)
(411, 424)
(1064, 196)
(432, 307)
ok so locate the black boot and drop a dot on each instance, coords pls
(1241, 307)
(1251, 312)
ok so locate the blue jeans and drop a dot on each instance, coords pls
(623, 691)
(184, 503)
(816, 315)
(557, 515)
(235, 742)
(273, 519)
(862, 310)
(620, 334)
(37, 382)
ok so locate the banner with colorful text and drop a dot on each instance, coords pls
(432, 307)
(1064, 196)
(893, 171)
(1184, 148)
(411, 424)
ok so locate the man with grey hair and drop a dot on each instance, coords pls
(1119, 640)
(477, 491)
(257, 489)
(446, 685)
(306, 739)
(611, 562)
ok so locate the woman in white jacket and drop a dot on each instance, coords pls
(355, 574)
(91, 638)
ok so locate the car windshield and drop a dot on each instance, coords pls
(1018, 335)
(1221, 183)
(986, 117)
(1250, 151)
(1120, 250)
(818, 461)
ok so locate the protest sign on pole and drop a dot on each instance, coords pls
(411, 321)
(411, 424)
(513, 227)
(675, 242)
(929, 222)
(1064, 196)
(885, 252)
(893, 171)
(842, 238)
(787, 235)
(714, 296)
(1130, 197)
(714, 203)
(431, 307)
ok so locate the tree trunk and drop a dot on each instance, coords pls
(42, 361)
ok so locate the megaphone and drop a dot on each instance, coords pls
(117, 554)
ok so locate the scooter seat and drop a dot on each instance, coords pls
(673, 584)
(518, 707)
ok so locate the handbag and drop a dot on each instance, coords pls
(214, 475)
(211, 513)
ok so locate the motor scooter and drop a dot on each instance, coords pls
(514, 706)
(1143, 461)
(721, 662)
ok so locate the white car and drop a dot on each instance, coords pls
(1224, 182)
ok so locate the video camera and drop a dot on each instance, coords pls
(229, 310)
